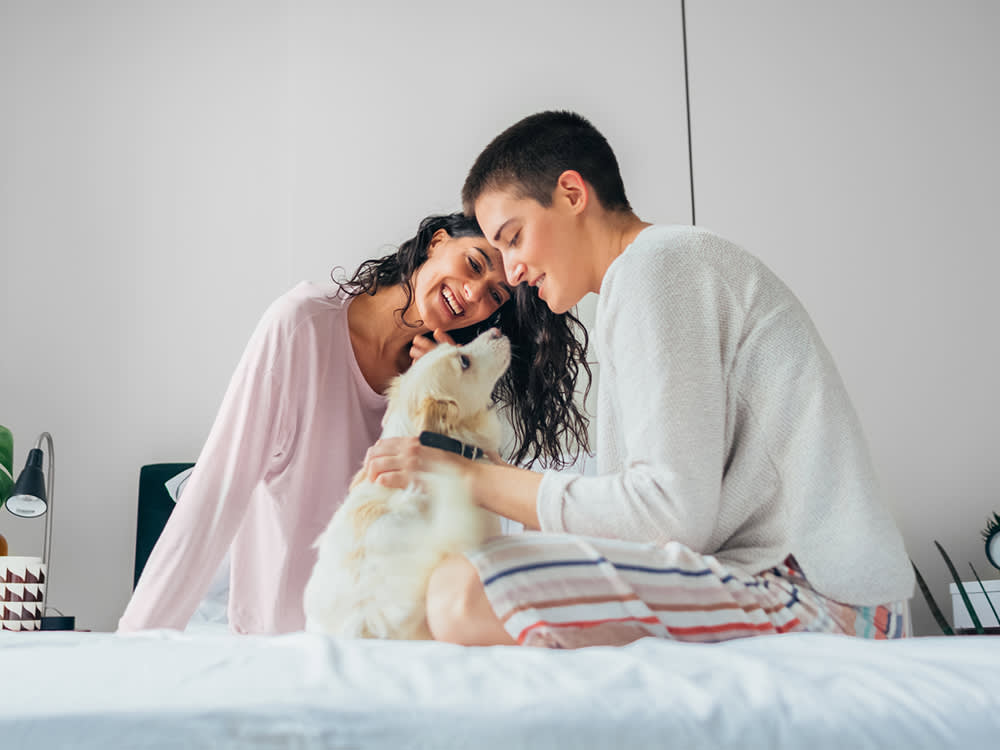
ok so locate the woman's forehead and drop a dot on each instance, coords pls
(497, 209)
(494, 262)
(482, 246)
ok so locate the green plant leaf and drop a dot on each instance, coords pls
(992, 525)
(6, 464)
(935, 610)
(961, 589)
(988, 600)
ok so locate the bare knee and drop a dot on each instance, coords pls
(448, 595)
(457, 608)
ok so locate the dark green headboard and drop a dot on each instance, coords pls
(155, 506)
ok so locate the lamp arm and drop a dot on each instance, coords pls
(50, 484)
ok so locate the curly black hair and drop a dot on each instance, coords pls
(538, 392)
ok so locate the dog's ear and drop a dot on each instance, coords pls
(437, 415)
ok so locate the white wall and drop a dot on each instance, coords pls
(168, 168)
(853, 146)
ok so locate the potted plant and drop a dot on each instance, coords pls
(977, 626)
(6, 473)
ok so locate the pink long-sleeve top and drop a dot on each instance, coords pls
(292, 431)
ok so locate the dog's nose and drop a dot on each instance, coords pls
(495, 333)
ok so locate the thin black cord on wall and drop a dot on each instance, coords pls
(687, 104)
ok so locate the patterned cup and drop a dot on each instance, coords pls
(11, 592)
(22, 570)
(20, 625)
(22, 588)
(20, 611)
(15, 593)
(33, 592)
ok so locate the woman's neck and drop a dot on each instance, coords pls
(613, 231)
(380, 338)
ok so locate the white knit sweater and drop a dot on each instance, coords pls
(722, 423)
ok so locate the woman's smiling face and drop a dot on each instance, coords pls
(538, 245)
(461, 283)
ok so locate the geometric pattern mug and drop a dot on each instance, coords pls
(22, 590)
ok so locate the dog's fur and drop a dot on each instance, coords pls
(377, 554)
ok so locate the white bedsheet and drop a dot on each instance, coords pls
(209, 690)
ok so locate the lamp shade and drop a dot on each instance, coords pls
(28, 499)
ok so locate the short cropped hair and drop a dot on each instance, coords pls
(529, 156)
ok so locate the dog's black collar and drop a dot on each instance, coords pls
(437, 440)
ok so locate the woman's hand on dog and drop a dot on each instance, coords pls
(496, 485)
(421, 344)
(397, 462)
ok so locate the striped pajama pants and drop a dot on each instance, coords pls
(567, 591)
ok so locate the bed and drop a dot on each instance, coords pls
(205, 688)
(208, 689)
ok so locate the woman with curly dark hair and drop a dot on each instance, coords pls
(307, 400)
(548, 350)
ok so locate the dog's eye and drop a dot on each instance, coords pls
(465, 361)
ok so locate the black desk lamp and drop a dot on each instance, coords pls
(29, 499)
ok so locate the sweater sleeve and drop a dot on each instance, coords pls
(660, 334)
(205, 520)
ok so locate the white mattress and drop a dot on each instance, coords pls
(212, 690)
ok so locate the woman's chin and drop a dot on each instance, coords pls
(552, 301)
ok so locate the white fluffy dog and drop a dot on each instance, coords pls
(377, 554)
